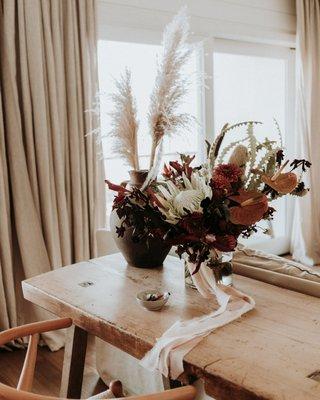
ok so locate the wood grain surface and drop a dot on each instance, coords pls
(267, 354)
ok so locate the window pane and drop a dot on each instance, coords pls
(251, 88)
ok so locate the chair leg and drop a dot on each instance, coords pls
(170, 383)
(116, 388)
(27, 373)
(74, 362)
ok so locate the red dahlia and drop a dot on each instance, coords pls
(230, 172)
(220, 182)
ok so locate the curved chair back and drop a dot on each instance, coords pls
(22, 392)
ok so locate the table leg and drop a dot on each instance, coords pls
(73, 363)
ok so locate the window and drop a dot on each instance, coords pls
(246, 81)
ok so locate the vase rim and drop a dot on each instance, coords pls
(138, 170)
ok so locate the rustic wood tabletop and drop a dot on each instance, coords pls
(272, 352)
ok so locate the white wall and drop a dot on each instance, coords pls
(269, 21)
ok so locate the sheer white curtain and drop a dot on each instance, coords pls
(305, 245)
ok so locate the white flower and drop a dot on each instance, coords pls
(178, 201)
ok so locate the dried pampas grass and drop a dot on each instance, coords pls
(170, 86)
(169, 89)
(124, 122)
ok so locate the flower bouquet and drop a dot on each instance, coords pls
(203, 210)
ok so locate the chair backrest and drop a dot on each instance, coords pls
(182, 393)
(22, 392)
(26, 377)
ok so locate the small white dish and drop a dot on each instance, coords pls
(145, 299)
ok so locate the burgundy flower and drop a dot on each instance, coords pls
(222, 242)
(230, 172)
(252, 205)
(220, 182)
(192, 224)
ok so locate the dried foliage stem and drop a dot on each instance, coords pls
(124, 122)
(214, 148)
(153, 152)
(170, 87)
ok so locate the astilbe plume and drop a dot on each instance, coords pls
(124, 122)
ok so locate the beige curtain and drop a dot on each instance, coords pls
(51, 180)
(305, 244)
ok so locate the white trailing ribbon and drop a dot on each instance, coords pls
(168, 353)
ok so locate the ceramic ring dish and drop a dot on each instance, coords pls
(152, 300)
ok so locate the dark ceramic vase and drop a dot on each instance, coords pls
(142, 254)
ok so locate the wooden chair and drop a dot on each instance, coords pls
(22, 392)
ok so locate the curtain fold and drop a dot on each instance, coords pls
(305, 243)
(51, 179)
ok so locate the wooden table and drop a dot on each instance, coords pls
(273, 352)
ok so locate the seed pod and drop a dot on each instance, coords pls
(239, 156)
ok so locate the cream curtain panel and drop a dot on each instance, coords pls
(305, 244)
(51, 180)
